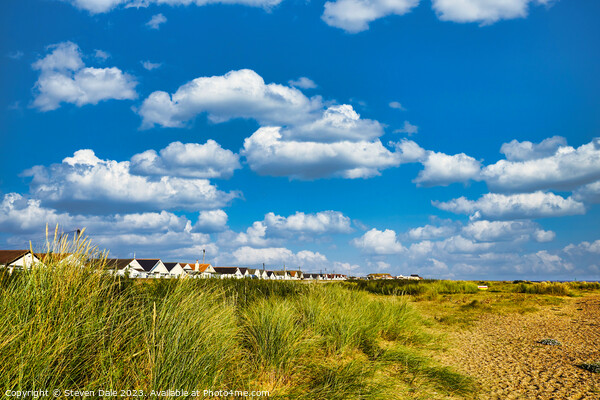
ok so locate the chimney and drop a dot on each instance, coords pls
(197, 266)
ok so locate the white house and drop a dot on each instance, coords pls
(18, 259)
(153, 268)
(124, 267)
(281, 275)
(175, 269)
(228, 272)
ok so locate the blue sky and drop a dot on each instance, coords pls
(455, 139)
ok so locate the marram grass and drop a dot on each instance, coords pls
(69, 324)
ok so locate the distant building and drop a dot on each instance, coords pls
(379, 276)
(18, 259)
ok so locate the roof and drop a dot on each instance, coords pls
(8, 256)
(226, 270)
(243, 270)
(201, 267)
(147, 263)
(280, 273)
(170, 265)
(118, 263)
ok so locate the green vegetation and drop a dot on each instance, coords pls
(69, 326)
(592, 367)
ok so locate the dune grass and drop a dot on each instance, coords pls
(69, 324)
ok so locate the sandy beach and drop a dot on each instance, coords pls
(502, 352)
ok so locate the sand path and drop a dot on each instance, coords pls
(502, 353)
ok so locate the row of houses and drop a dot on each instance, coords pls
(146, 268)
(413, 277)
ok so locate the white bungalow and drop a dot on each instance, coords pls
(175, 269)
(259, 273)
(270, 275)
(18, 259)
(245, 272)
(153, 268)
(295, 275)
(281, 275)
(228, 272)
(125, 267)
(312, 277)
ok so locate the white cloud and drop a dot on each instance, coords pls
(323, 222)
(64, 78)
(268, 154)
(102, 6)
(431, 232)
(156, 21)
(355, 15)
(273, 229)
(543, 236)
(189, 160)
(397, 106)
(237, 94)
(549, 165)
(588, 193)
(410, 151)
(150, 65)
(303, 83)
(96, 6)
(516, 206)
(482, 11)
(85, 182)
(278, 256)
(255, 235)
(524, 151)
(148, 233)
(211, 221)
(443, 169)
(101, 55)
(488, 231)
(379, 242)
(408, 128)
(337, 123)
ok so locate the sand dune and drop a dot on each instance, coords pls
(502, 353)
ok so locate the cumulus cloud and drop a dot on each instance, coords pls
(524, 205)
(273, 229)
(210, 221)
(156, 21)
(148, 233)
(189, 160)
(102, 6)
(483, 11)
(548, 165)
(303, 83)
(443, 169)
(268, 154)
(65, 79)
(355, 15)
(489, 231)
(237, 94)
(588, 193)
(86, 183)
(337, 123)
(526, 150)
(278, 256)
(432, 231)
(379, 242)
(324, 222)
